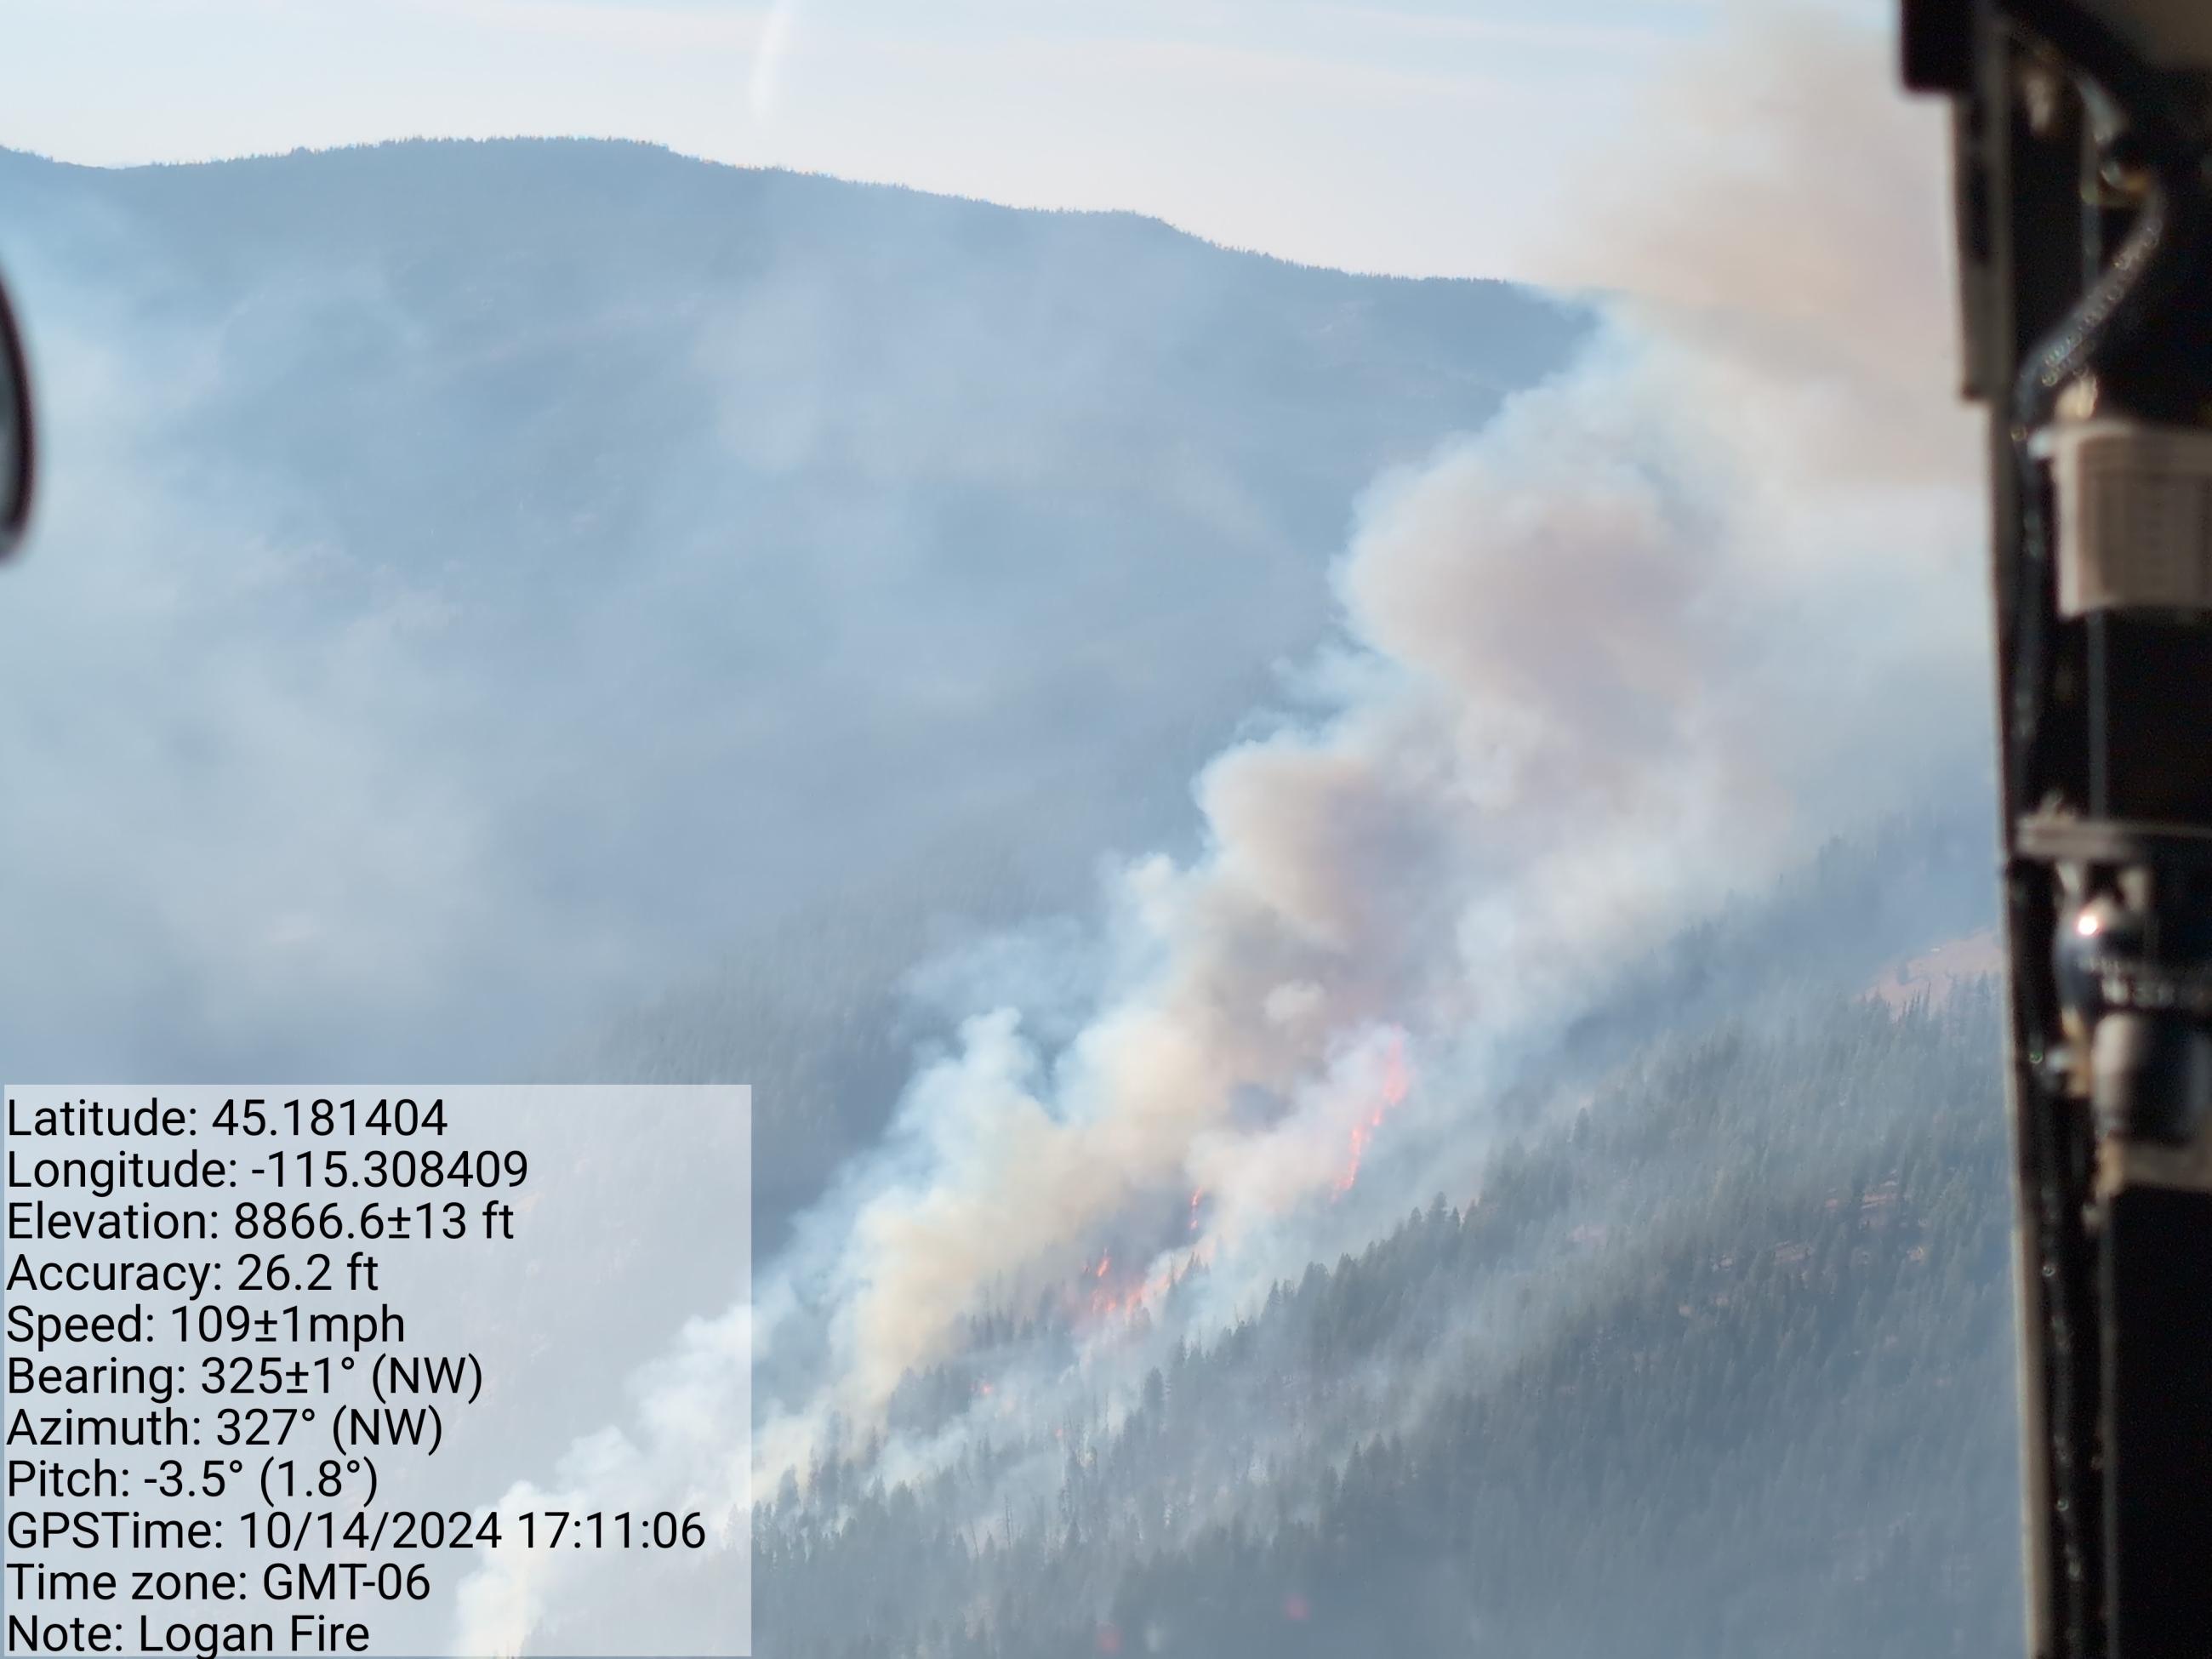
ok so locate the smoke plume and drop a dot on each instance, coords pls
(1663, 625)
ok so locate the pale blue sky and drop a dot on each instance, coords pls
(1415, 136)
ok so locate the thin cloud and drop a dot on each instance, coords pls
(771, 50)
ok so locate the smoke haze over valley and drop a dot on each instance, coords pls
(1296, 860)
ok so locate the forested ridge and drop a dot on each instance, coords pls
(785, 576)
(1722, 1369)
(572, 443)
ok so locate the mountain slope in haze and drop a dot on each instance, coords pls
(557, 606)
(1724, 1369)
(530, 581)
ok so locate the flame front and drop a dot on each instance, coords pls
(1391, 1093)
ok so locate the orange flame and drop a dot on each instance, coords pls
(1363, 1132)
(1128, 1300)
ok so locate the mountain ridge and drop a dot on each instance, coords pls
(1136, 215)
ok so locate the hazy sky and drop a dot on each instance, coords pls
(1414, 136)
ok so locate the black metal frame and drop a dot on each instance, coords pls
(17, 431)
(2106, 733)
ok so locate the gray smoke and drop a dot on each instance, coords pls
(1659, 629)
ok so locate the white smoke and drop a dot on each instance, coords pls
(1658, 629)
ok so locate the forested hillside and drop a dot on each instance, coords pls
(1723, 1372)
(555, 608)
(580, 610)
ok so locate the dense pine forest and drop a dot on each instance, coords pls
(1722, 1369)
